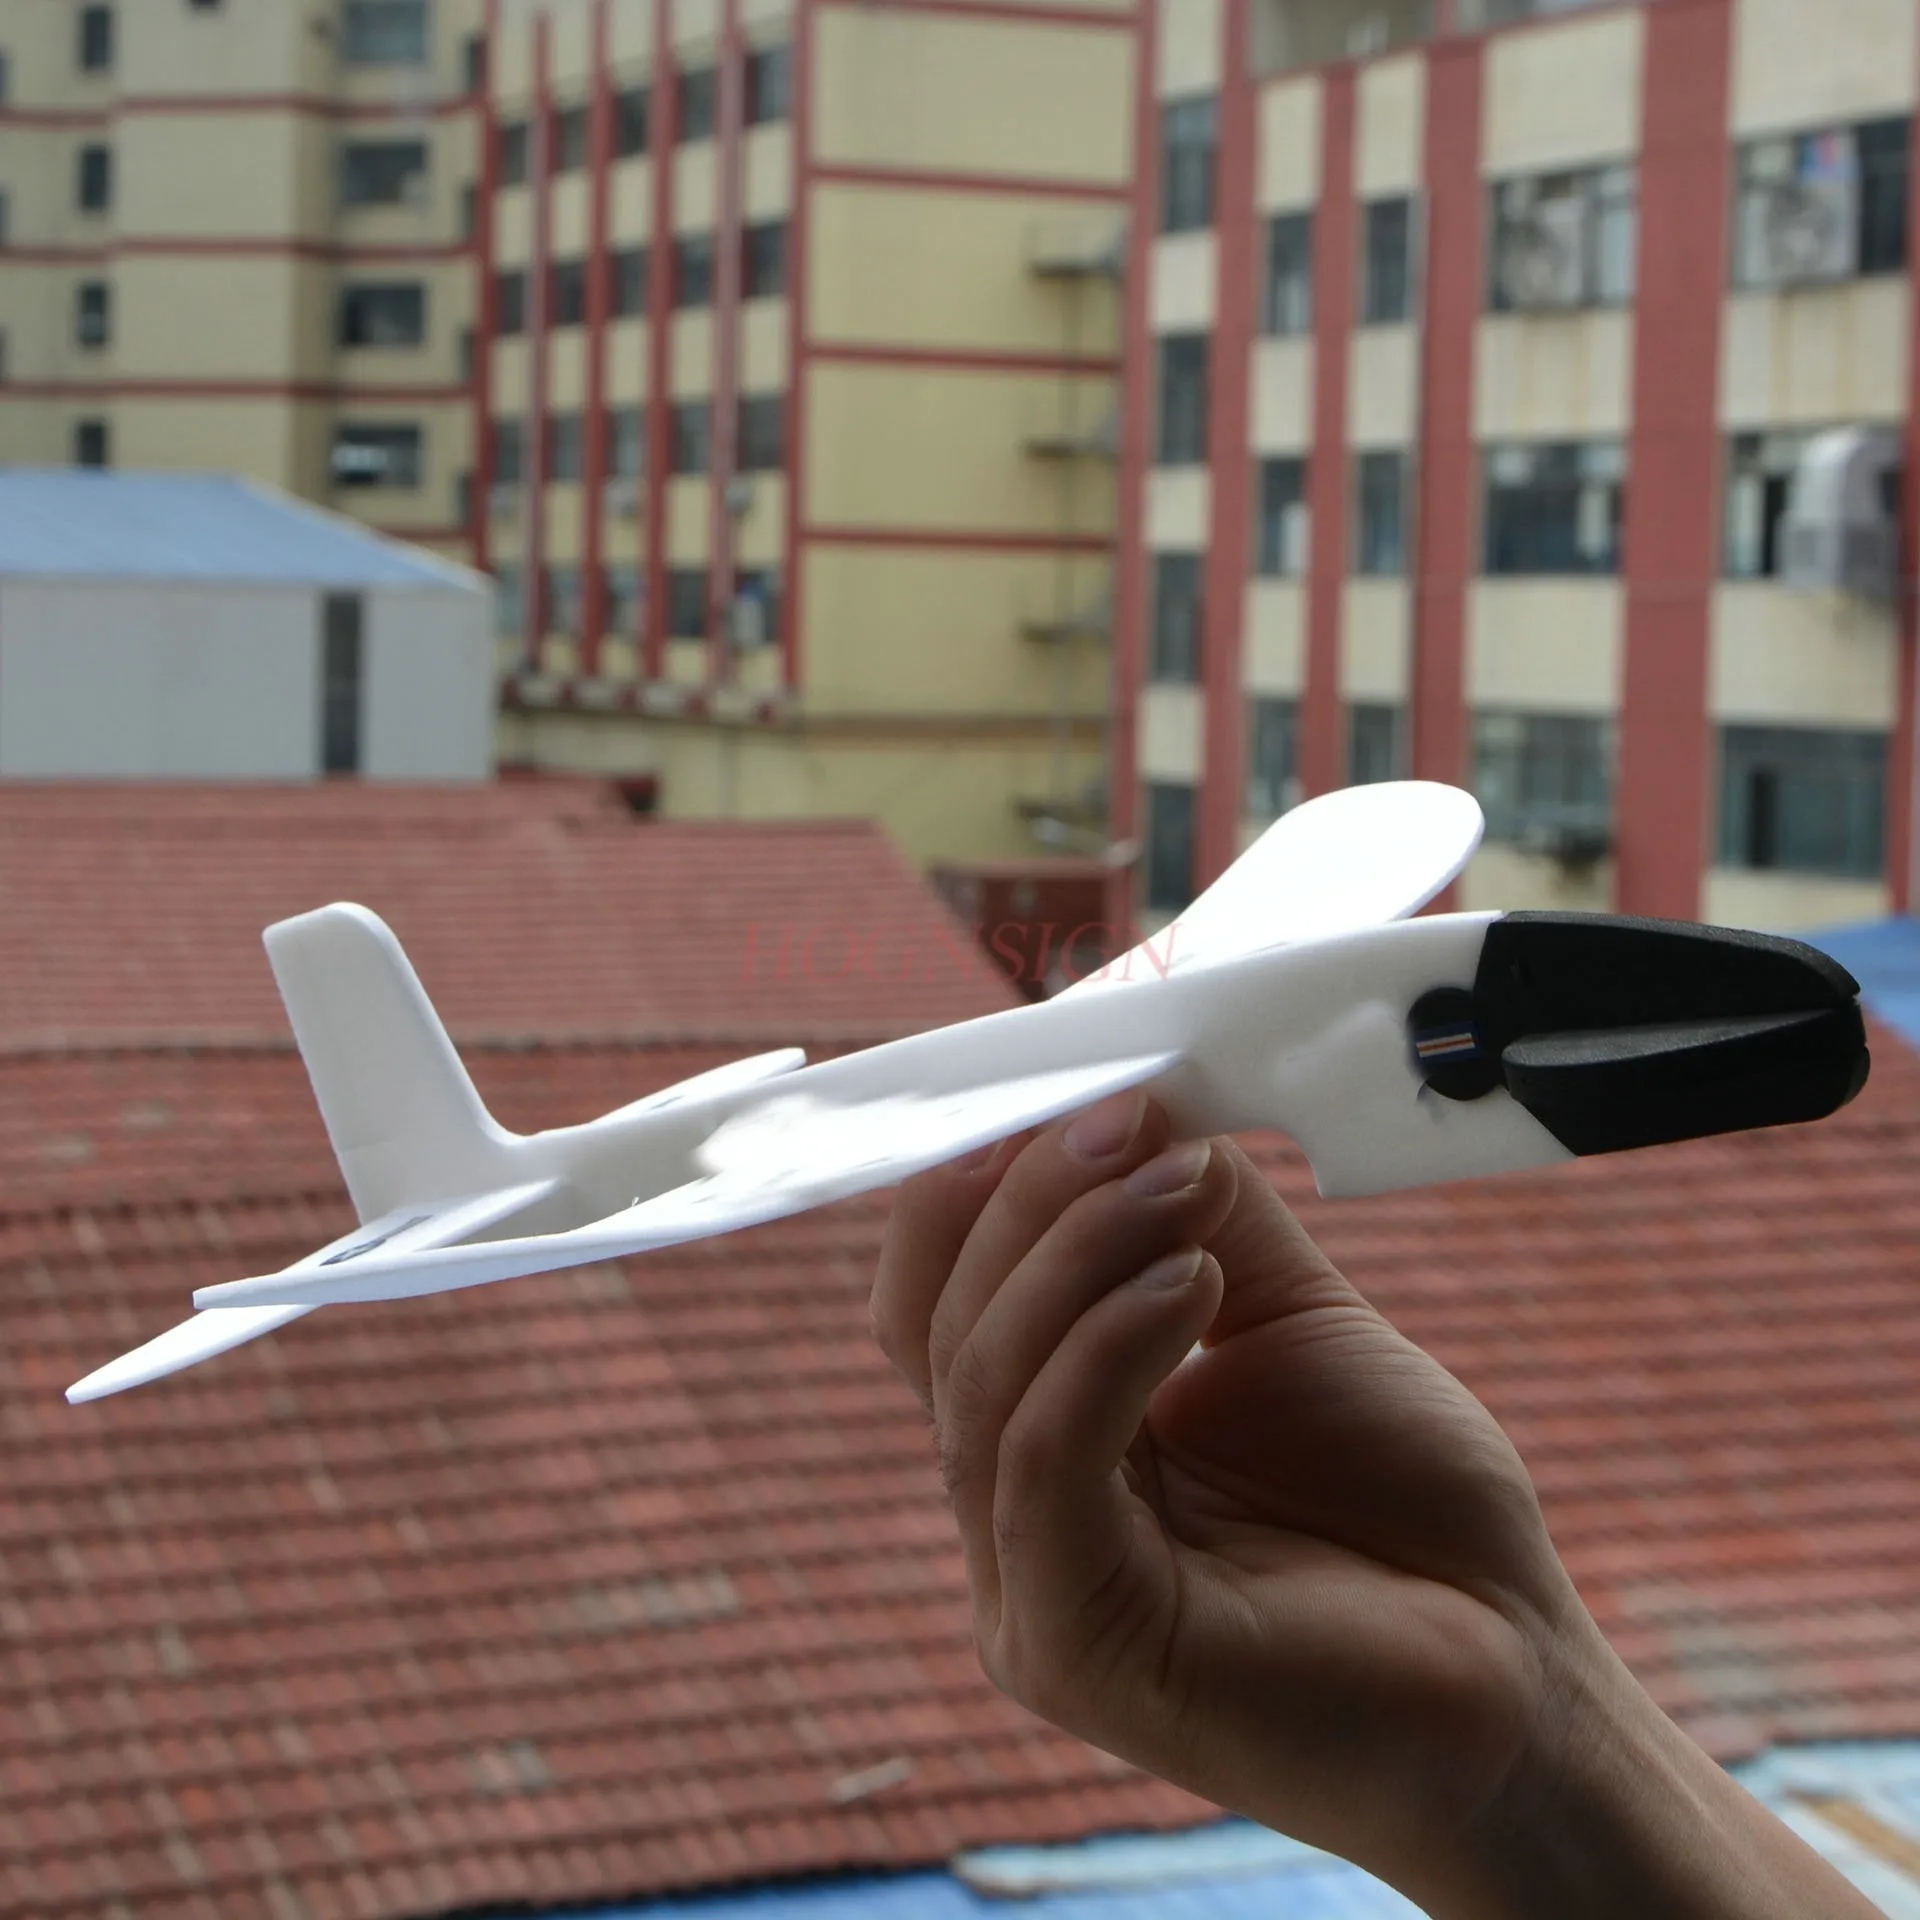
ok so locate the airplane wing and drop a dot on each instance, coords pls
(406, 1229)
(1347, 860)
(782, 1156)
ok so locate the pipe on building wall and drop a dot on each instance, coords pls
(799, 223)
(1672, 523)
(723, 431)
(1322, 735)
(540, 169)
(1445, 514)
(1226, 573)
(593, 425)
(662, 132)
(486, 315)
(1127, 640)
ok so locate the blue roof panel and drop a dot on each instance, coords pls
(1884, 956)
(65, 523)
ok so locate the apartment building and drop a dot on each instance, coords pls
(801, 403)
(238, 235)
(1523, 401)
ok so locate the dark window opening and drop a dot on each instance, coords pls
(769, 85)
(92, 443)
(377, 456)
(1189, 135)
(340, 682)
(566, 447)
(1386, 280)
(93, 313)
(691, 436)
(1803, 800)
(693, 270)
(513, 153)
(510, 301)
(1376, 745)
(1273, 758)
(1182, 439)
(1173, 646)
(566, 293)
(384, 33)
(629, 122)
(687, 603)
(572, 136)
(763, 260)
(95, 50)
(1169, 849)
(381, 173)
(1381, 512)
(1542, 775)
(1283, 524)
(1287, 299)
(93, 179)
(393, 315)
(763, 432)
(1554, 507)
(698, 100)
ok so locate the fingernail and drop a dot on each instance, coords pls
(1107, 1129)
(1170, 1271)
(1173, 1171)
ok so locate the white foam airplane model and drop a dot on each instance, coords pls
(1294, 993)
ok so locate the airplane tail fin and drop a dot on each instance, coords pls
(405, 1121)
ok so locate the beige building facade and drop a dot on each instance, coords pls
(1524, 403)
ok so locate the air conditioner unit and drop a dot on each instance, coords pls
(738, 495)
(1838, 534)
(357, 465)
(503, 500)
(1543, 254)
(1807, 231)
(1368, 36)
(623, 498)
(747, 621)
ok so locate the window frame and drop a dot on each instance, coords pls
(1272, 776)
(1176, 618)
(1182, 399)
(1877, 187)
(768, 85)
(696, 105)
(763, 259)
(1283, 525)
(684, 584)
(93, 315)
(693, 270)
(690, 437)
(1734, 848)
(93, 178)
(350, 148)
(1550, 758)
(632, 121)
(1287, 274)
(1372, 308)
(409, 438)
(760, 440)
(96, 36)
(1610, 192)
(1189, 136)
(1368, 558)
(351, 333)
(1167, 855)
(368, 13)
(1505, 525)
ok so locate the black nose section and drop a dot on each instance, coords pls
(1617, 1033)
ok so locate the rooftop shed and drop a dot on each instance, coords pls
(199, 626)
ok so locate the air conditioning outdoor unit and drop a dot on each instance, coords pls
(354, 464)
(1838, 534)
(503, 499)
(1543, 255)
(623, 498)
(1807, 230)
(747, 621)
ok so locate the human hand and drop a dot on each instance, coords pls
(1300, 1571)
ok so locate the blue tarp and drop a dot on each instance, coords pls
(1884, 956)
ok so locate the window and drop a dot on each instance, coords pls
(1189, 133)
(691, 432)
(1287, 302)
(621, 602)
(763, 424)
(565, 447)
(1822, 205)
(754, 619)
(1759, 479)
(627, 443)
(1273, 758)
(763, 260)
(1386, 280)
(1282, 531)
(473, 63)
(509, 600)
(1554, 508)
(630, 122)
(381, 173)
(509, 453)
(93, 179)
(376, 456)
(1173, 646)
(629, 282)
(769, 85)
(1376, 745)
(1802, 800)
(693, 270)
(512, 153)
(92, 444)
(1562, 240)
(1183, 400)
(566, 293)
(340, 634)
(392, 315)
(563, 608)
(510, 300)
(6, 77)
(93, 313)
(5, 220)
(687, 603)
(1380, 546)
(572, 136)
(1539, 775)
(1169, 836)
(469, 210)
(384, 33)
(698, 99)
(95, 51)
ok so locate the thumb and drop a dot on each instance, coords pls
(1271, 1267)
(1064, 1519)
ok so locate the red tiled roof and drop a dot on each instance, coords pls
(619, 1581)
(531, 909)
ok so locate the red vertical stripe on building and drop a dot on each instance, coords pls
(1130, 503)
(730, 133)
(486, 314)
(1903, 762)
(593, 580)
(799, 217)
(1448, 488)
(540, 140)
(1673, 459)
(662, 132)
(1323, 745)
(1223, 597)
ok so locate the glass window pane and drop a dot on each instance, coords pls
(1173, 652)
(1273, 749)
(1183, 399)
(1376, 744)
(1169, 846)
(1803, 800)
(1288, 299)
(1188, 138)
(1386, 293)
(1283, 527)
(1382, 484)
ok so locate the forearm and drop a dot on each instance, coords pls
(1623, 1814)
